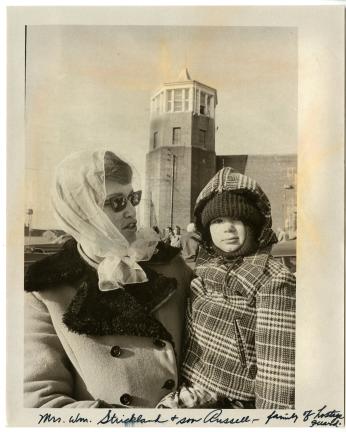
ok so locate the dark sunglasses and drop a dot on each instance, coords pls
(119, 202)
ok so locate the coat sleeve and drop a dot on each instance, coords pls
(275, 342)
(48, 377)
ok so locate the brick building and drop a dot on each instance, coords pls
(277, 175)
(182, 159)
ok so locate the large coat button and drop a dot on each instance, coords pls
(116, 351)
(126, 399)
(169, 384)
(159, 343)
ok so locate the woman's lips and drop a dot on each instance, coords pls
(131, 226)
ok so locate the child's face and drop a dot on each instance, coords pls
(227, 234)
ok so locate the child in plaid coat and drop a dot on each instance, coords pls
(240, 338)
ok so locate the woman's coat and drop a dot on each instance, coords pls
(83, 350)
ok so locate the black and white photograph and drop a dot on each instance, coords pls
(180, 250)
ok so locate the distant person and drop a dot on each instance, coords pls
(168, 233)
(190, 243)
(176, 237)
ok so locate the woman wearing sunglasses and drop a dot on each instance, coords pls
(104, 316)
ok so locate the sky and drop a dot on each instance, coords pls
(90, 87)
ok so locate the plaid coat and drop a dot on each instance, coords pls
(240, 339)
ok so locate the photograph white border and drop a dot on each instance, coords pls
(320, 244)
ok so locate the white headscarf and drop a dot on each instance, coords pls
(78, 196)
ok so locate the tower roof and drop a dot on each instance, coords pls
(184, 80)
(184, 75)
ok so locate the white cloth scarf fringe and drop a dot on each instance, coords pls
(78, 197)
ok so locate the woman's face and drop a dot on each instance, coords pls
(227, 234)
(125, 220)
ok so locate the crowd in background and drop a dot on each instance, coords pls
(188, 242)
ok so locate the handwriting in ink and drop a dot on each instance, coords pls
(215, 417)
(112, 418)
(185, 420)
(322, 417)
(276, 416)
(78, 419)
(48, 418)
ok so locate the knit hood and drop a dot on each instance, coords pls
(228, 180)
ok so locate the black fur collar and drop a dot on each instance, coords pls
(67, 267)
(93, 312)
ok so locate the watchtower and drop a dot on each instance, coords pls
(181, 157)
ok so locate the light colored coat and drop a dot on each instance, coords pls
(66, 369)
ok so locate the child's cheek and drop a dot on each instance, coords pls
(215, 235)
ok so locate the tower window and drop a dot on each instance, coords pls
(156, 139)
(169, 101)
(178, 100)
(186, 99)
(176, 136)
(202, 138)
(208, 97)
(202, 107)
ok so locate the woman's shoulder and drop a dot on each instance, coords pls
(65, 266)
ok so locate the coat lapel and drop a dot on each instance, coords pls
(93, 312)
(120, 312)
